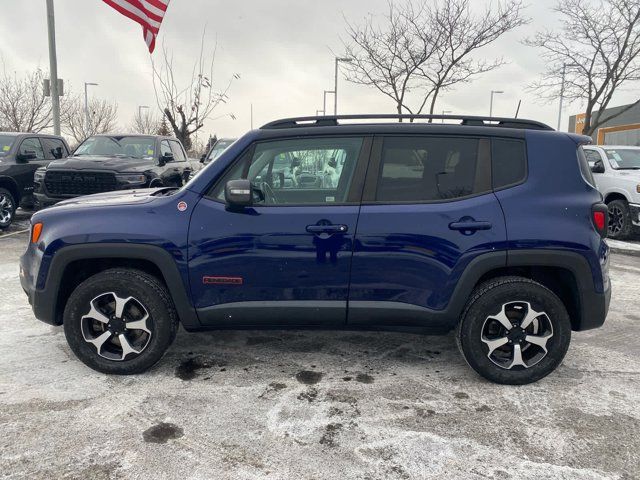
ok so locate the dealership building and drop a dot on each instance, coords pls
(622, 130)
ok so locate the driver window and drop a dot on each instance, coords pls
(299, 172)
(32, 145)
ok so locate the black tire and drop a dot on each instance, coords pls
(487, 300)
(7, 208)
(147, 292)
(620, 225)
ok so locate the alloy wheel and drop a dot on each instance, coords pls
(517, 336)
(6, 208)
(118, 328)
(616, 220)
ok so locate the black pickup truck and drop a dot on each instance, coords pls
(104, 163)
(21, 154)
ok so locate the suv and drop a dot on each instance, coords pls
(20, 155)
(431, 227)
(617, 175)
(105, 163)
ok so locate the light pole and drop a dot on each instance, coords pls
(324, 101)
(444, 112)
(564, 73)
(335, 88)
(493, 92)
(86, 104)
(53, 67)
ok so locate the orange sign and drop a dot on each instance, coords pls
(580, 122)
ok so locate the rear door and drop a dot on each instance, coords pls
(285, 260)
(428, 210)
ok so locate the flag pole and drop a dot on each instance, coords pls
(53, 68)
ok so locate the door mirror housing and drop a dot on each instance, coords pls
(26, 156)
(238, 193)
(166, 158)
(203, 158)
(598, 167)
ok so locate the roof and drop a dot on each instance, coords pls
(17, 134)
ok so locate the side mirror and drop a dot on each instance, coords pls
(238, 193)
(203, 158)
(598, 167)
(166, 158)
(26, 156)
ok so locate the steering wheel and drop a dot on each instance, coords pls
(269, 195)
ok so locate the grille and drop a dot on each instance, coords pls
(79, 183)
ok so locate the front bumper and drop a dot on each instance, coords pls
(634, 211)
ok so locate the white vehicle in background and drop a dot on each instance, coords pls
(217, 149)
(616, 170)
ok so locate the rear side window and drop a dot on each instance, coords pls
(509, 162)
(423, 169)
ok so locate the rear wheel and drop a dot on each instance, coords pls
(120, 321)
(7, 208)
(514, 331)
(619, 220)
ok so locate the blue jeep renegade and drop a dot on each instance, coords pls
(492, 227)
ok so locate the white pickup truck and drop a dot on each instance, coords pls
(616, 170)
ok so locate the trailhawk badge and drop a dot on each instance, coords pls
(182, 206)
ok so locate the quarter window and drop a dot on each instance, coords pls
(509, 162)
(422, 169)
(32, 145)
(298, 172)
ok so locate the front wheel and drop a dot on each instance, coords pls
(514, 331)
(120, 321)
(7, 208)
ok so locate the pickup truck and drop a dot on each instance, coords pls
(616, 171)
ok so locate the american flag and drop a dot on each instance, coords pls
(148, 13)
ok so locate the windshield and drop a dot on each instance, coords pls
(5, 144)
(218, 148)
(624, 158)
(132, 147)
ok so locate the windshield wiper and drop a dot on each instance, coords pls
(628, 168)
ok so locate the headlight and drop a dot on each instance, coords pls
(131, 178)
(39, 175)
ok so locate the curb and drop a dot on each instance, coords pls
(624, 251)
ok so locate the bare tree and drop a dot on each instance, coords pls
(145, 123)
(23, 106)
(186, 107)
(598, 48)
(425, 48)
(103, 116)
(461, 34)
(385, 55)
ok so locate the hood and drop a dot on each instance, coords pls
(116, 164)
(123, 197)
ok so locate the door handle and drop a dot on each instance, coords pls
(327, 228)
(470, 226)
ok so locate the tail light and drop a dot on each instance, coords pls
(600, 218)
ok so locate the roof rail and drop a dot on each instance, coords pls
(333, 121)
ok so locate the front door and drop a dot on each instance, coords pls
(428, 210)
(285, 260)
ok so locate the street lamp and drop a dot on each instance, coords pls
(493, 92)
(335, 89)
(86, 104)
(140, 107)
(564, 73)
(444, 112)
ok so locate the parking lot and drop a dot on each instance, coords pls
(328, 405)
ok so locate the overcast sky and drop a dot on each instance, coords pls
(282, 50)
